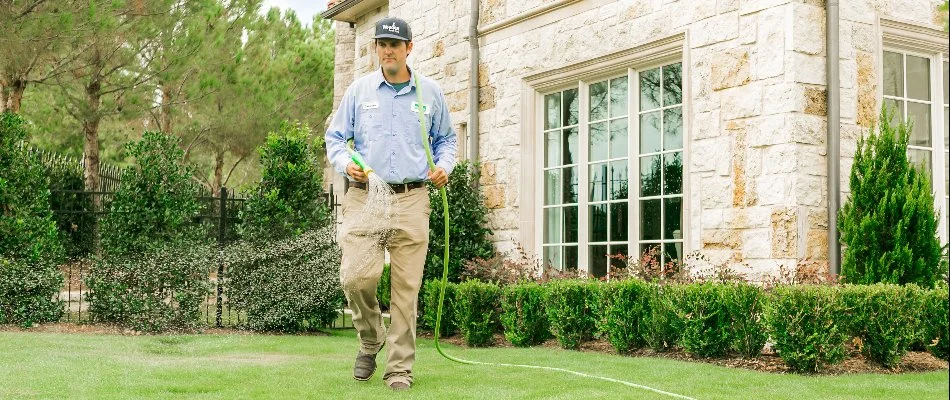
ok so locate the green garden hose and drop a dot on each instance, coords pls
(445, 277)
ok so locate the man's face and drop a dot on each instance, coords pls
(392, 54)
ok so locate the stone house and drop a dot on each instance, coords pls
(714, 112)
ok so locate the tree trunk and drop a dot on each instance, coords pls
(11, 94)
(90, 127)
(165, 117)
(218, 172)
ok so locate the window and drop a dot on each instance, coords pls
(593, 155)
(915, 88)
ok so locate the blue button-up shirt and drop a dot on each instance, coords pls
(384, 126)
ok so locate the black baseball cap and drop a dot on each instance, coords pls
(393, 28)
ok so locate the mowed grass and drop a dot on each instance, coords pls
(37, 365)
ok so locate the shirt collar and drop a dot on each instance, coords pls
(380, 80)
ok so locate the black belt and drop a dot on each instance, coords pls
(397, 187)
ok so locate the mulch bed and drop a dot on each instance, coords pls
(769, 361)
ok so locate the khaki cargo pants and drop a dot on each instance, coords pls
(407, 244)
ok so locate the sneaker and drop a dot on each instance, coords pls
(365, 366)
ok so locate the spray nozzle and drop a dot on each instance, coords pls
(358, 159)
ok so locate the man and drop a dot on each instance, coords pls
(379, 113)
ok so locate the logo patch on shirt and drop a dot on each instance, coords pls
(371, 105)
(415, 108)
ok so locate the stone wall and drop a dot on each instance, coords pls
(756, 193)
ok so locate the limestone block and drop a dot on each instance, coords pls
(780, 158)
(816, 100)
(721, 239)
(494, 196)
(774, 189)
(867, 89)
(716, 192)
(706, 125)
(751, 6)
(808, 29)
(729, 68)
(810, 190)
(784, 233)
(756, 243)
(741, 102)
(714, 30)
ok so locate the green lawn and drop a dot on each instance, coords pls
(95, 366)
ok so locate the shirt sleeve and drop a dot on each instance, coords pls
(339, 131)
(444, 140)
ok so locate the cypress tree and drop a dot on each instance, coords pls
(888, 222)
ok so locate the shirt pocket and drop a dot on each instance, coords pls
(369, 125)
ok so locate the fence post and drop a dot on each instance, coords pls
(223, 215)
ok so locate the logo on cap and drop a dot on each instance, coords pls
(392, 28)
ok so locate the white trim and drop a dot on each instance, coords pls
(910, 36)
(583, 177)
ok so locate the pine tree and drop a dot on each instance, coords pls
(888, 223)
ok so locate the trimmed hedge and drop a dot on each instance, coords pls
(804, 322)
(523, 314)
(705, 317)
(662, 325)
(476, 311)
(885, 318)
(934, 321)
(571, 310)
(746, 303)
(625, 309)
(430, 306)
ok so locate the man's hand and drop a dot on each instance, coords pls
(438, 177)
(355, 172)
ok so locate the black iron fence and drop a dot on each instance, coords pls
(78, 212)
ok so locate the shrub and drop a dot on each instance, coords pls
(661, 323)
(476, 311)
(885, 318)
(159, 290)
(625, 305)
(502, 269)
(803, 321)
(288, 201)
(157, 203)
(430, 306)
(705, 318)
(523, 314)
(888, 222)
(76, 227)
(384, 288)
(468, 234)
(745, 304)
(30, 250)
(571, 309)
(287, 285)
(934, 322)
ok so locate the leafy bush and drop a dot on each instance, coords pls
(430, 306)
(287, 285)
(76, 227)
(888, 222)
(502, 269)
(745, 304)
(30, 250)
(384, 288)
(288, 201)
(885, 318)
(661, 323)
(156, 205)
(934, 321)
(571, 309)
(804, 322)
(476, 311)
(468, 234)
(625, 305)
(705, 318)
(523, 314)
(159, 290)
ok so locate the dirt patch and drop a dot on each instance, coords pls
(769, 361)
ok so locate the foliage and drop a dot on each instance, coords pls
(476, 311)
(625, 305)
(804, 322)
(468, 234)
(571, 309)
(934, 322)
(30, 250)
(662, 325)
(746, 303)
(705, 317)
(888, 222)
(287, 285)
(523, 314)
(502, 269)
(160, 289)
(288, 201)
(430, 306)
(157, 202)
(884, 317)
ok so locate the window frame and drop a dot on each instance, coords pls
(908, 39)
(582, 84)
